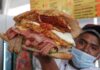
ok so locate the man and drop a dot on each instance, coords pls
(85, 53)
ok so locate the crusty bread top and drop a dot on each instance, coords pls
(58, 19)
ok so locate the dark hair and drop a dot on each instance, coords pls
(92, 26)
(93, 29)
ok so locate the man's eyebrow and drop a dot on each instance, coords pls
(93, 43)
(97, 45)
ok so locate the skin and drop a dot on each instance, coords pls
(48, 63)
(89, 44)
(86, 42)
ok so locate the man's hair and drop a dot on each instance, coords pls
(93, 29)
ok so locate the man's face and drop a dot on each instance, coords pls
(88, 43)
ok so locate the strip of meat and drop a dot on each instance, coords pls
(10, 33)
(45, 31)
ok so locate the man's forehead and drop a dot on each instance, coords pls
(90, 37)
(92, 31)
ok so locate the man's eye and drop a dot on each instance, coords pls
(93, 47)
(82, 42)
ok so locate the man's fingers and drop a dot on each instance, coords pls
(41, 45)
(46, 49)
(36, 53)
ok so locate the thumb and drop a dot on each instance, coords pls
(36, 53)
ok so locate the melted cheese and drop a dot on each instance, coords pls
(65, 36)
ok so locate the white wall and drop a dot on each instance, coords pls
(12, 8)
(16, 7)
(85, 21)
(2, 23)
